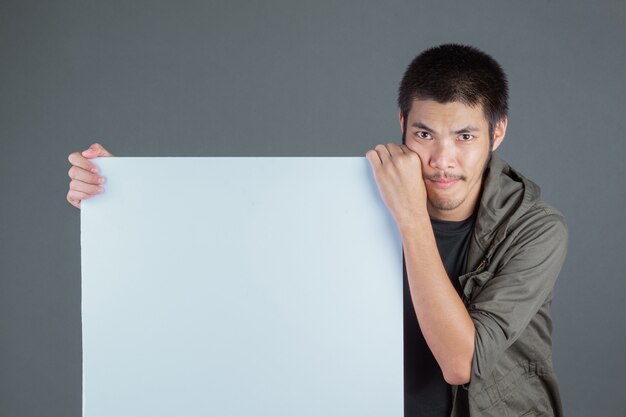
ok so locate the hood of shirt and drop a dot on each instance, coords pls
(506, 196)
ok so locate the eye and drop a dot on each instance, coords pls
(423, 135)
(465, 137)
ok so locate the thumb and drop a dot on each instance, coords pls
(95, 150)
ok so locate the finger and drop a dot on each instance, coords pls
(96, 150)
(75, 197)
(72, 201)
(411, 153)
(373, 157)
(83, 187)
(77, 173)
(407, 150)
(80, 161)
(383, 153)
(395, 150)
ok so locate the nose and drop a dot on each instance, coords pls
(443, 156)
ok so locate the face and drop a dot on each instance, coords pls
(452, 140)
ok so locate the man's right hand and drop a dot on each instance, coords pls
(86, 181)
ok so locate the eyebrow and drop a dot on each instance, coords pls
(421, 125)
(468, 128)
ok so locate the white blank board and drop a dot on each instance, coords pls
(240, 287)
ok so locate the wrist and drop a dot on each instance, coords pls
(414, 225)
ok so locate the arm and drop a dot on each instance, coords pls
(446, 325)
(504, 304)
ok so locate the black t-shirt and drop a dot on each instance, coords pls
(426, 393)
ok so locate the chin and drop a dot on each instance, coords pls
(445, 204)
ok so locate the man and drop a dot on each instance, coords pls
(482, 251)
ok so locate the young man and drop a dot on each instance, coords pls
(482, 251)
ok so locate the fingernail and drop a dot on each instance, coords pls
(100, 189)
(94, 170)
(101, 180)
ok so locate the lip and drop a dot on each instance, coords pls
(444, 184)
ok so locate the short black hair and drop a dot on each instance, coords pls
(454, 72)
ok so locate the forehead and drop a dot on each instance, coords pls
(451, 113)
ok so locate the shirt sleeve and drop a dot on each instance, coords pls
(503, 306)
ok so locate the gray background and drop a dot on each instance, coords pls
(295, 78)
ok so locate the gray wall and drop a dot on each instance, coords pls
(295, 78)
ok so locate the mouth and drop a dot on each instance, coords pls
(444, 183)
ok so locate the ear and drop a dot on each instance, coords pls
(401, 118)
(498, 133)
